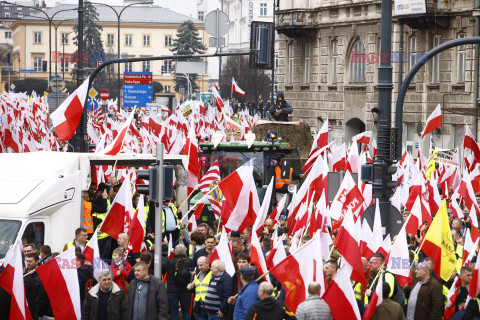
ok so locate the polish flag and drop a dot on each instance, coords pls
(377, 298)
(192, 223)
(347, 197)
(11, 280)
(365, 237)
(223, 252)
(377, 239)
(319, 142)
(474, 224)
(120, 215)
(209, 180)
(347, 245)
(193, 174)
(218, 99)
(470, 143)
(434, 121)
(466, 191)
(469, 247)
(385, 247)
(240, 194)
(363, 137)
(236, 88)
(60, 280)
(67, 116)
(256, 255)
(339, 158)
(277, 212)
(154, 125)
(116, 145)
(92, 255)
(299, 269)
(11, 140)
(415, 220)
(399, 259)
(262, 214)
(340, 296)
(474, 287)
(137, 228)
(276, 255)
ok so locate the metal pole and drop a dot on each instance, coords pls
(49, 50)
(273, 54)
(385, 87)
(219, 46)
(400, 58)
(82, 144)
(157, 254)
(118, 56)
(475, 73)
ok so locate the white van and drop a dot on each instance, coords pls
(41, 193)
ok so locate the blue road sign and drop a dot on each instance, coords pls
(137, 89)
(92, 105)
(28, 70)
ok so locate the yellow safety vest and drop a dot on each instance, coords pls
(358, 291)
(201, 287)
(279, 182)
(101, 216)
(388, 278)
(174, 210)
(191, 251)
(87, 217)
(459, 252)
(147, 210)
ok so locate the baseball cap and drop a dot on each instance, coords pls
(246, 272)
(284, 217)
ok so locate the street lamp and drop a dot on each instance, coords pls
(63, 57)
(118, 14)
(186, 75)
(50, 19)
(56, 42)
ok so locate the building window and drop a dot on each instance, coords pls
(263, 9)
(167, 66)
(357, 63)
(334, 61)
(8, 34)
(410, 136)
(461, 61)
(37, 37)
(307, 63)
(200, 15)
(37, 63)
(64, 38)
(167, 88)
(145, 66)
(64, 65)
(458, 131)
(291, 52)
(412, 57)
(110, 39)
(146, 40)
(436, 62)
(168, 41)
(7, 14)
(128, 40)
(128, 66)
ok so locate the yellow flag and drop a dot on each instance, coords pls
(432, 160)
(438, 244)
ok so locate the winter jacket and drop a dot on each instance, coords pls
(157, 301)
(168, 265)
(32, 286)
(313, 308)
(246, 298)
(224, 290)
(429, 300)
(117, 308)
(119, 279)
(86, 281)
(269, 308)
(388, 309)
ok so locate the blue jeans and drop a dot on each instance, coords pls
(184, 298)
(214, 317)
(202, 315)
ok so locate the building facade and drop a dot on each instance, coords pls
(144, 32)
(329, 53)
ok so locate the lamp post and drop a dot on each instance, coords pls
(56, 42)
(119, 15)
(49, 19)
(63, 57)
(187, 76)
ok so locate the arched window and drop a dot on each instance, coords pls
(357, 63)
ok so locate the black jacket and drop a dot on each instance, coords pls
(157, 301)
(117, 308)
(32, 286)
(86, 281)
(224, 290)
(269, 308)
(168, 265)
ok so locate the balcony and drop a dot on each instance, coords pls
(296, 23)
(423, 14)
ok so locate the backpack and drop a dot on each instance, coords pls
(182, 272)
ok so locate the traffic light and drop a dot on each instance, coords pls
(9, 58)
(44, 65)
(262, 45)
(99, 63)
(152, 189)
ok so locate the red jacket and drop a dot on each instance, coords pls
(119, 280)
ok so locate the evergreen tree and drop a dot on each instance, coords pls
(187, 41)
(92, 45)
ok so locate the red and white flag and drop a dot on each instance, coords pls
(137, 227)
(60, 280)
(276, 255)
(236, 88)
(434, 121)
(241, 196)
(377, 234)
(277, 212)
(377, 298)
(223, 252)
(92, 255)
(256, 255)
(262, 214)
(347, 197)
(11, 280)
(117, 144)
(218, 99)
(340, 296)
(120, 215)
(193, 174)
(399, 259)
(209, 181)
(67, 116)
(470, 143)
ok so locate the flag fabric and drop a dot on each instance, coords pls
(399, 259)
(67, 116)
(193, 174)
(137, 227)
(208, 182)
(470, 143)
(438, 244)
(241, 196)
(120, 215)
(276, 255)
(377, 298)
(60, 280)
(434, 121)
(11, 280)
(116, 146)
(218, 99)
(377, 234)
(347, 197)
(236, 88)
(256, 255)
(262, 214)
(92, 255)
(223, 252)
(340, 296)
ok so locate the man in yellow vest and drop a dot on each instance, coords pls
(200, 285)
(87, 216)
(170, 224)
(100, 208)
(284, 179)
(80, 241)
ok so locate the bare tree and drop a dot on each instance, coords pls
(254, 82)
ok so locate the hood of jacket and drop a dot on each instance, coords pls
(94, 291)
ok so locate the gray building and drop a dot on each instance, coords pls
(329, 57)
